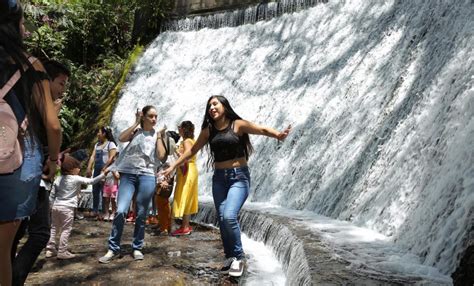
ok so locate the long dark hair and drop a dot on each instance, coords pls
(108, 133)
(230, 114)
(13, 57)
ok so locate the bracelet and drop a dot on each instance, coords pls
(52, 160)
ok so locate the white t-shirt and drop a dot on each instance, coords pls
(106, 148)
(139, 157)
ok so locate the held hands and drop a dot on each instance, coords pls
(164, 184)
(50, 170)
(166, 173)
(282, 135)
(105, 171)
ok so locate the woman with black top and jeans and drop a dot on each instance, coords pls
(227, 136)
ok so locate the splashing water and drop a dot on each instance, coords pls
(381, 99)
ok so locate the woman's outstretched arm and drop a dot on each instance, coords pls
(244, 126)
(188, 153)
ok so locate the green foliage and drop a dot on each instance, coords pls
(94, 39)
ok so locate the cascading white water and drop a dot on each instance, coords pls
(381, 99)
(250, 15)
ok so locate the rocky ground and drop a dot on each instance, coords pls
(189, 260)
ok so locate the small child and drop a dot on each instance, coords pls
(65, 198)
(163, 191)
(110, 194)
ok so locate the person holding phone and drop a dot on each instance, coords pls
(137, 165)
(227, 136)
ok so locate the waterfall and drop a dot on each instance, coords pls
(287, 246)
(381, 99)
(250, 15)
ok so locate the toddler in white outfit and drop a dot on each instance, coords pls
(65, 198)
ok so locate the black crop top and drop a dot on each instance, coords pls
(226, 144)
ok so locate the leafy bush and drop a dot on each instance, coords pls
(94, 39)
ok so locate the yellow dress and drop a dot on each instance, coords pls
(185, 200)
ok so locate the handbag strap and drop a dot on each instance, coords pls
(164, 144)
(13, 80)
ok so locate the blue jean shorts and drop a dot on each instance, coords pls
(19, 190)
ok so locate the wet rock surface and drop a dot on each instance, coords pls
(188, 260)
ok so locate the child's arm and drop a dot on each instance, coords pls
(89, 181)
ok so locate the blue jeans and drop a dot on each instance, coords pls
(230, 189)
(97, 192)
(19, 190)
(144, 186)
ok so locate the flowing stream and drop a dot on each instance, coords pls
(380, 96)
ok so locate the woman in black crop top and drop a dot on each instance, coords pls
(227, 137)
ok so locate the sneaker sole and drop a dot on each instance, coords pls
(64, 258)
(181, 234)
(108, 261)
(236, 274)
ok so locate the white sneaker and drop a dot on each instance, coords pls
(138, 255)
(50, 253)
(226, 266)
(236, 268)
(108, 257)
(65, 255)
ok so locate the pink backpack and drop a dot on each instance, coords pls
(11, 155)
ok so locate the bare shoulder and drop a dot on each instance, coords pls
(240, 125)
(240, 122)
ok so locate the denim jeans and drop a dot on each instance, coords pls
(230, 189)
(19, 190)
(144, 185)
(97, 189)
(38, 236)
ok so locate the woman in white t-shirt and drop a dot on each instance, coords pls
(103, 154)
(137, 165)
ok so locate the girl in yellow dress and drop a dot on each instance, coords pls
(185, 202)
